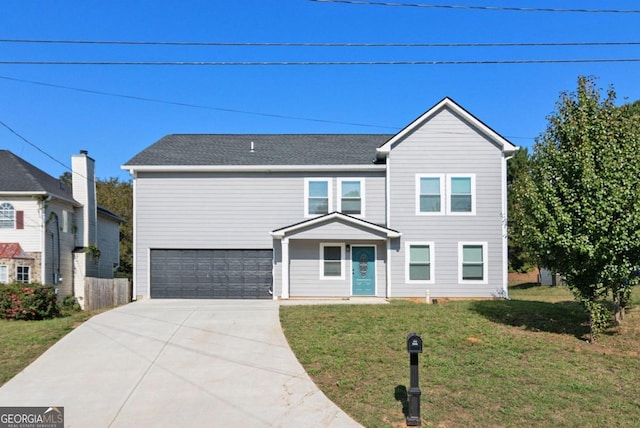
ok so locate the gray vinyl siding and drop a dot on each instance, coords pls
(447, 145)
(208, 210)
(305, 264)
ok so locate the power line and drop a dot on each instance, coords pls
(198, 106)
(485, 8)
(181, 104)
(323, 45)
(322, 63)
(34, 145)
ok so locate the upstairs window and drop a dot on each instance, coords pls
(7, 216)
(317, 196)
(351, 197)
(462, 194)
(429, 194)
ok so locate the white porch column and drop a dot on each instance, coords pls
(388, 268)
(285, 268)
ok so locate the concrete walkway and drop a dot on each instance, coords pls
(177, 363)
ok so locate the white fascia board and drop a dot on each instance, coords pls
(249, 168)
(10, 193)
(40, 193)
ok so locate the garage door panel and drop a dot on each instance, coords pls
(217, 273)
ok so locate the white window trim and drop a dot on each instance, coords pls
(473, 194)
(342, 263)
(307, 180)
(8, 207)
(485, 263)
(442, 194)
(5, 279)
(407, 262)
(362, 196)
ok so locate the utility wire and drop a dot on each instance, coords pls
(485, 8)
(198, 106)
(34, 146)
(323, 45)
(324, 63)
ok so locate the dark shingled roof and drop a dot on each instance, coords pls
(18, 175)
(269, 149)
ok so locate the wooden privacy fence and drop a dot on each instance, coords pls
(103, 292)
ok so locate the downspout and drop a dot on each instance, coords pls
(505, 229)
(43, 239)
(55, 267)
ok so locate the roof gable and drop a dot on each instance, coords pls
(18, 175)
(447, 102)
(332, 217)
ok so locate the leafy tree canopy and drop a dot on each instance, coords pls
(580, 199)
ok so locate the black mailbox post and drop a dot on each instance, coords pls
(414, 347)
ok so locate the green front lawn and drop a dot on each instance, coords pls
(21, 342)
(523, 362)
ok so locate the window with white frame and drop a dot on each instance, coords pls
(7, 216)
(461, 194)
(419, 262)
(317, 199)
(332, 261)
(472, 258)
(23, 274)
(4, 274)
(429, 193)
(351, 196)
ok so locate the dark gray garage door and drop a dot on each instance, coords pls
(211, 274)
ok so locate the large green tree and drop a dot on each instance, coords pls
(519, 259)
(117, 197)
(580, 200)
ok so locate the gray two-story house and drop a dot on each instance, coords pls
(421, 213)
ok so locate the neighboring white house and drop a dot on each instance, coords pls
(49, 232)
(325, 215)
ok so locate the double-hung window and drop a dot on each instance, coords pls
(472, 257)
(332, 261)
(317, 196)
(22, 274)
(7, 216)
(461, 194)
(419, 262)
(429, 194)
(4, 274)
(351, 196)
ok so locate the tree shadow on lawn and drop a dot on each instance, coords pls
(560, 317)
(524, 286)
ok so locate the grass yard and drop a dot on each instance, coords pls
(522, 362)
(21, 342)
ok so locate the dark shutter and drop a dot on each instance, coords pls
(19, 219)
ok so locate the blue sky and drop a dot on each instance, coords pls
(514, 99)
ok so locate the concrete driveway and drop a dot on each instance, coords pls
(177, 363)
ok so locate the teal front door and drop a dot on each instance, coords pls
(363, 271)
